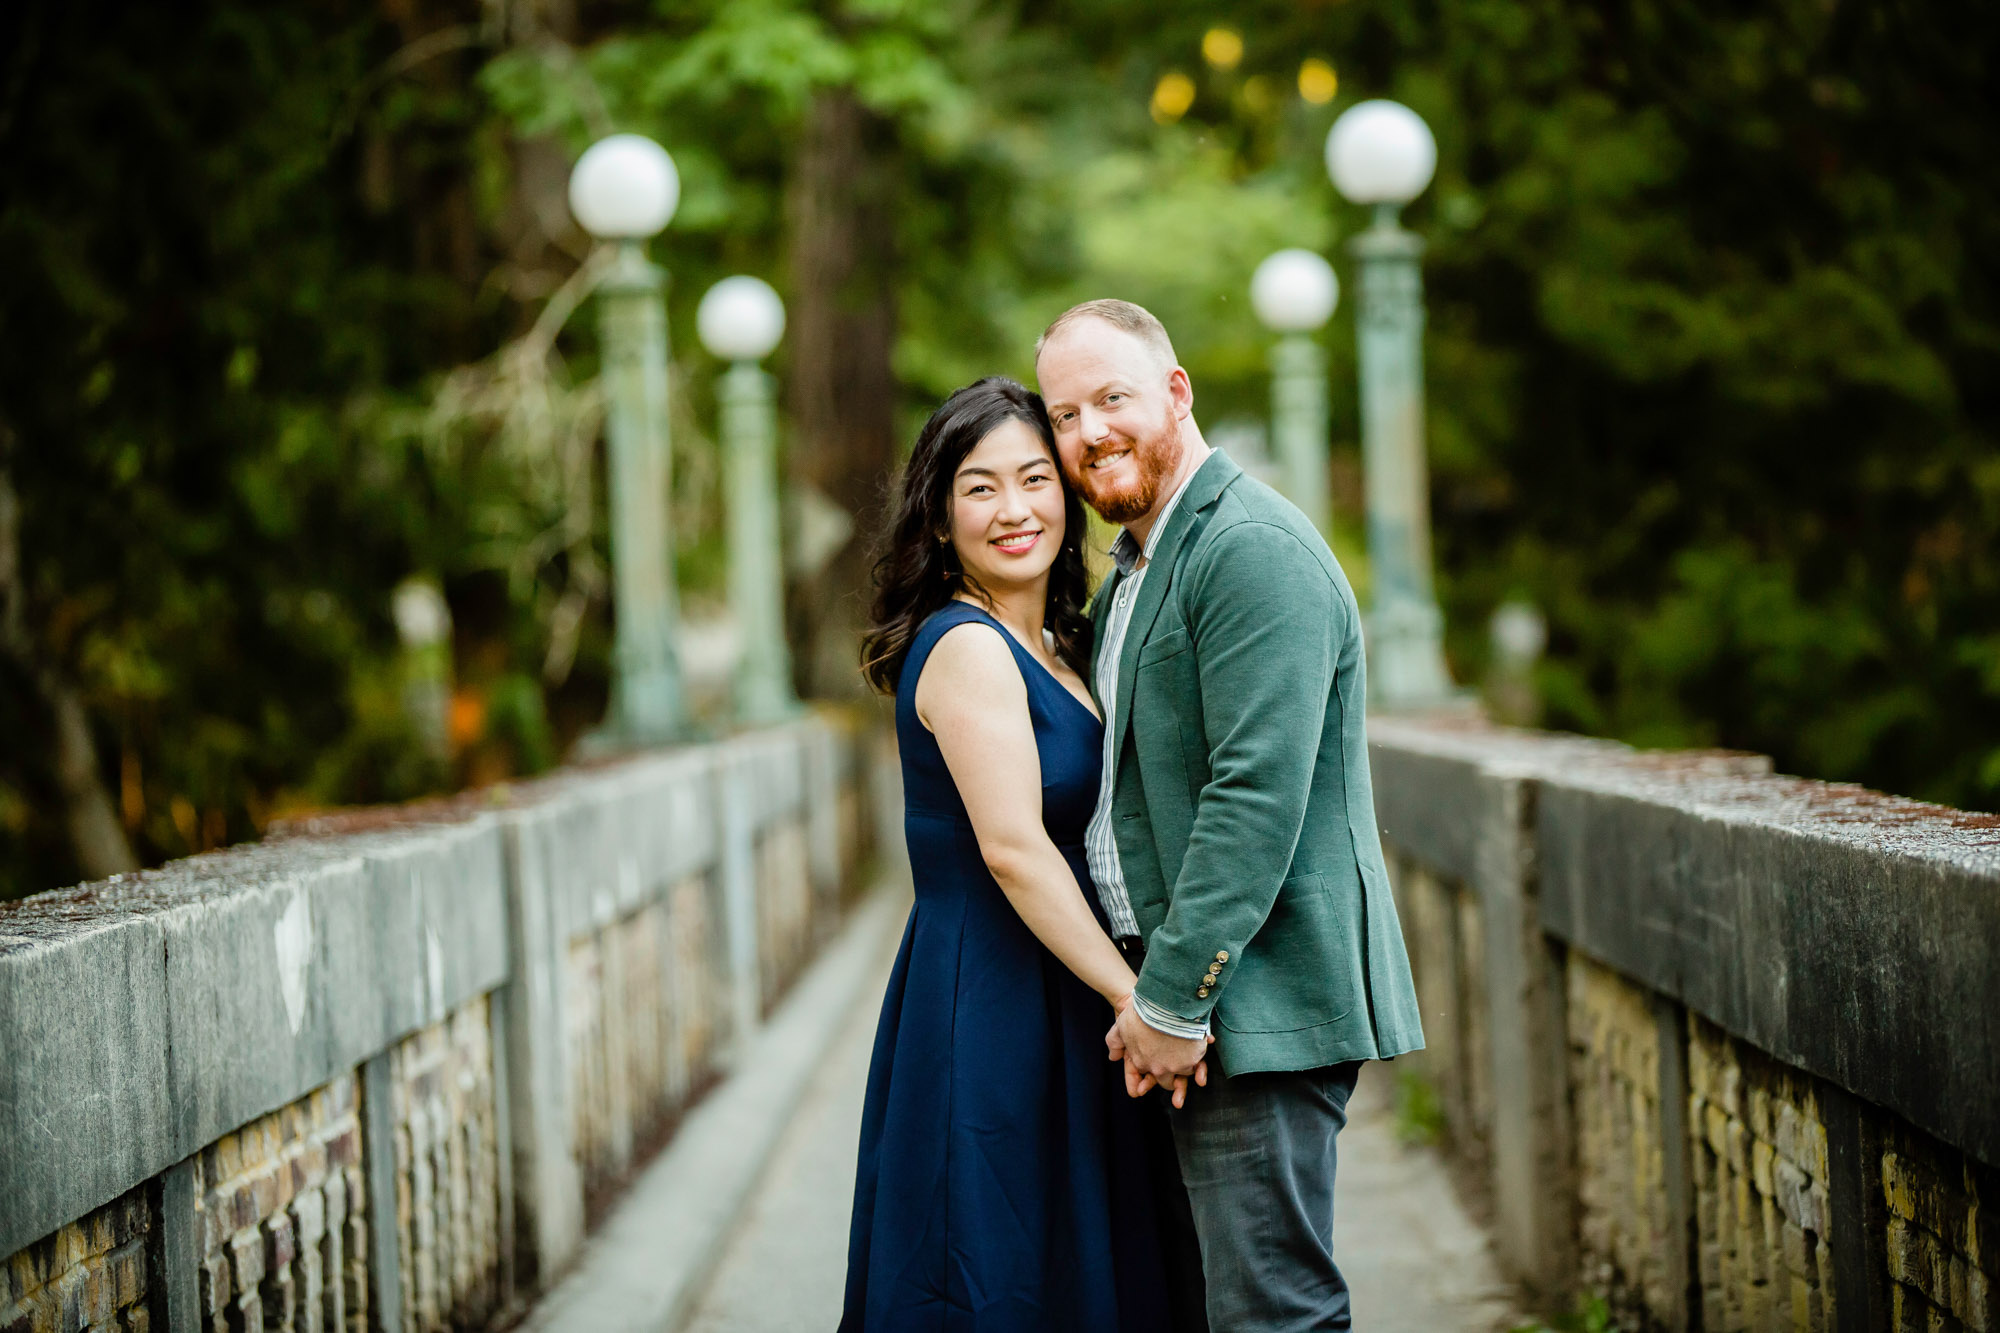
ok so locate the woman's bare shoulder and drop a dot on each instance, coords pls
(970, 666)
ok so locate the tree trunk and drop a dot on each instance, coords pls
(95, 835)
(842, 389)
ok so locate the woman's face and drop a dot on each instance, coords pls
(1007, 508)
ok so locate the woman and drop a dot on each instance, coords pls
(1002, 1183)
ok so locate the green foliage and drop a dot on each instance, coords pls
(1419, 1114)
(1710, 346)
(1592, 1315)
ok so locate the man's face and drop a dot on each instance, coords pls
(1117, 415)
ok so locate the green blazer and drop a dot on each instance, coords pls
(1242, 809)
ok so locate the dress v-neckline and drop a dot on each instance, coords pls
(1022, 650)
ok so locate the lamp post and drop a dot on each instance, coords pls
(1294, 292)
(423, 623)
(1519, 634)
(740, 320)
(624, 190)
(1382, 153)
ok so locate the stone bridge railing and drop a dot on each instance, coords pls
(1719, 1046)
(379, 1072)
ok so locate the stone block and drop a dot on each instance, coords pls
(213, 1285)
(1916, 1260)
(1798, 1198)
(83, 1098)
(72, 1247)
(246, 1260)
(1979, 1311)
(127, 1266)
(1757, 1112)
(96, 1290)
(1800, 1138)
(1797, 1249)
(280, 1243)
(29, 1269)
(343, 1150)
(1899, 1186)
(101, 1229)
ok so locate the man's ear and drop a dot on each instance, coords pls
(1180, 392)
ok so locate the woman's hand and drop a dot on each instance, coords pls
(1136, 1084)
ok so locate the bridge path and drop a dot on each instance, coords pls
(1417, 1263)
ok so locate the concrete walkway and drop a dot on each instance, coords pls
(1416, 1262)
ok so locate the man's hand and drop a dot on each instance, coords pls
(1155, 1058)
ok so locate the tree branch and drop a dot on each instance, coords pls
(95, 835)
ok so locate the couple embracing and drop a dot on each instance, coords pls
(1153, 939)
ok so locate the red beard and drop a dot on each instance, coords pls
(1158, 457)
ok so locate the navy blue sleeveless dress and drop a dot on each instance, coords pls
(1002, 1185)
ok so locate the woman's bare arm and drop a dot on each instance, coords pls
(974, 701)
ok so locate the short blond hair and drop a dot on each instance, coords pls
(1133, 319)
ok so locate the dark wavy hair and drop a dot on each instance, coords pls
(916, 573)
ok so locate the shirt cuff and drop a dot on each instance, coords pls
(1161, 1021)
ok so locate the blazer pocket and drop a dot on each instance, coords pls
(1282, 983)
(1171, 644)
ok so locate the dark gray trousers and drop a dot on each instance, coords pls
(1257, 1156)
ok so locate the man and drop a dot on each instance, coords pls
(1234, 843)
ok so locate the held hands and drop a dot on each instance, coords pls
(1154, 1058)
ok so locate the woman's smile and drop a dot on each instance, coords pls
(1018, 543)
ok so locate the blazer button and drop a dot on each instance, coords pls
(1202, 992)
(1208, 980)
(1222, 955)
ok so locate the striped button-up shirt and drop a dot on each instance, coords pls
(1100, 840)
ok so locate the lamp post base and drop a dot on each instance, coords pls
(767, 704)
(1406, 668)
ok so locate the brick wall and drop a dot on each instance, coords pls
(447, 1172)
(646, 1010)
(1447, 963)
(1624, 1225)
(785, 908)
(474, 1021)
(281, 1218)
(90, 1274)
(1761, 1188)
(1773, 1018)
(1942, 1235)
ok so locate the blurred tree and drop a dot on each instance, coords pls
(1712, 345)
(289, 319)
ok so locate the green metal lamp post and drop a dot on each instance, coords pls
(624, 190)
(1294, 293)
(1382, 153)
(740, 321)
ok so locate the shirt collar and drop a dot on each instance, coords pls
(1126, 552)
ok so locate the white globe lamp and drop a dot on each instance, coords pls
(740, 319)
(1380, 152)
(1294, 291)
(624, 188)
